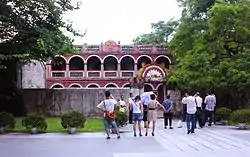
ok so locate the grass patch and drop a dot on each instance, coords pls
(54, 125)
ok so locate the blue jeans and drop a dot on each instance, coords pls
(137, 117)
(108, 124)
(190, 118)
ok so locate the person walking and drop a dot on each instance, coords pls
(210, 102)
(199, 117)
(130, 113)
(168, 115)
(191, 110)
(184, 108)
(137, 109)
(153, 104)
(107, 106)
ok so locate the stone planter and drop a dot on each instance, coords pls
(2, 130)
(71, 130)
(242, 126)
(34, 130)
(222, 122)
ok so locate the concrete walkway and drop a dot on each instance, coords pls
(215, 141)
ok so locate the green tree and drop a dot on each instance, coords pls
(161, 31)
(34, 29)
(211, 46)
(30, 29)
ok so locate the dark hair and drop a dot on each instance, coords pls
(107, 94)
(152, 96)
(130, 94)
(137, 98)
(210, 92)
(168, 96)
(189, 92)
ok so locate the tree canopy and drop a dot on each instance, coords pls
(211, 45)
(34, 29)
(161, 31)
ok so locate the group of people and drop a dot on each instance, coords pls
(193, 110)
(147, 112)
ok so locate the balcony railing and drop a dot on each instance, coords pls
(127, 74)
(58, 73)
(76, 74)
(110, 74)
(94, 74)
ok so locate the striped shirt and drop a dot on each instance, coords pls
(210, 102)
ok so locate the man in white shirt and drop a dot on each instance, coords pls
(210, 101)
(198, 101)
(191, 110)
(108, 105)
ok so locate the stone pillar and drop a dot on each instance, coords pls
(48, 70)
(67, 70)
(102, 70)
(85, 70)
(119, 70)
(135, 70)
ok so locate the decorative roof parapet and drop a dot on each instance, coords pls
(112, 47)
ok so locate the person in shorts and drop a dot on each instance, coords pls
(137, 109)
(108, 105)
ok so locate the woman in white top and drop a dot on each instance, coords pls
(137, 108)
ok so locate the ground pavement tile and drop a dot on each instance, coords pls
(215, 141)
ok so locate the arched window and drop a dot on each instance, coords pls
(143, 60)
(76, 63)
(94, 63)
(58, 64)
(110, 63)
(127, 63)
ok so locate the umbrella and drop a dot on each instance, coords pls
(145, 97)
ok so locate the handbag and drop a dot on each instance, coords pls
(198, 111)
(110, 116)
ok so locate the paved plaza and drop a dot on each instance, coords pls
(215, 141)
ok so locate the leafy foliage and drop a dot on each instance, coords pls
(211, 45)
(34, 29)
(240, 116)
(33, 120)
(7, 120)
(73, 119)
(223, 113)
(161, 31)
(121, 118)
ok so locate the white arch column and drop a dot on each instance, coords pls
(102, 70)
(85, 69)
(119, 69)
(135, 69)
(67, 70)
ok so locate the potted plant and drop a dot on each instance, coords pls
(241, 118)
(7, 122)
(34, 123)
(223, 114)
(72, 121)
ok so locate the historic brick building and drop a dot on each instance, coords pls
(111, 65)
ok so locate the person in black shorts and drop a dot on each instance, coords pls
(145, 114)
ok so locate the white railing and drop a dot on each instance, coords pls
(127, 74)
(94, 74)
(76, 73)
(110, 74)
(58, 74)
